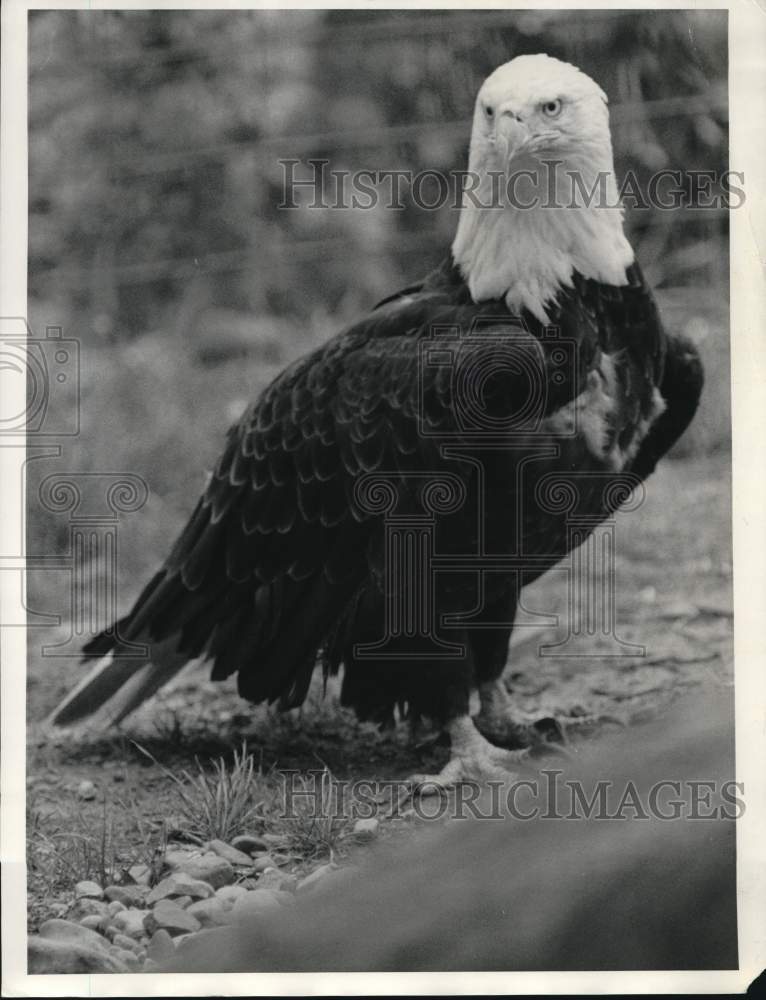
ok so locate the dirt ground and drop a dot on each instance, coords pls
(673, 597)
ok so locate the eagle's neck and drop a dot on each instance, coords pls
(526, 255)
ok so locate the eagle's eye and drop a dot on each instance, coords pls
(552, 109)
(489, 110)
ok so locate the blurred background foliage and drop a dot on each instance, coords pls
(155, 236)
(156, 138)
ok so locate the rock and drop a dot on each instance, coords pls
(211, 912)
(160, 947)
(186, 948)
(231, 854)
(206, 867)
(72, 933)
(126, 943)
(229, 894)
(276, 840)
(264, 862)
(366, 829)
(128, 895)
(86, 791)
(150, 965)
(126, 958)
(94, 923)
(115, 907)
(88, 890)
(272, 878)
(182, 901)
(172, 918)
(311, 881)
(130, 922)
(140, 874)
(179, 884)
(48, 955)
(255, 903)
(249, 844)
(88, 908)
(177, 859)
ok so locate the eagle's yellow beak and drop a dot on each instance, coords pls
(512, 135)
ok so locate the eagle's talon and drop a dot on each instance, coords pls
(496, 722)
(474, 760)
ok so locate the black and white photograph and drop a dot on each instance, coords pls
(382, 549)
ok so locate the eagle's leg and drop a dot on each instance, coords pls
(473, 759)
(496, 719)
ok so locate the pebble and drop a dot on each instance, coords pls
(206, 867)
(211, 912)
(172, 918)
(272, 878)
(115, 907)
(264, 862)
(88, 908)
(128, 895)
(126, 958)
(229, 894)
(126, 943)
(231, 854)
(175, 859)
(71, 933)
(94, 923)
(86, 791)
(276, 840)
(140, 874)
(47, 955)
(186, 949)
(366, 829)
(179, 884)
(88, 890)
(249, 843)
(131, 922)
(311, 881)
(160, 947)
(254, 903)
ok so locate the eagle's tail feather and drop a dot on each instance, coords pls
(118, 684)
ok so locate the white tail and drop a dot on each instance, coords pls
(117, 685)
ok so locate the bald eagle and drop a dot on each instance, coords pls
(535, 350)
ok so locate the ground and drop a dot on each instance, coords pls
(673, 597)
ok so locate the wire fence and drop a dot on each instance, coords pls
(157, 206)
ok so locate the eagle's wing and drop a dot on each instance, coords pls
(276, 547)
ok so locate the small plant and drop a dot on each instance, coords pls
(218, 803)
(60, 859)
(318, 820)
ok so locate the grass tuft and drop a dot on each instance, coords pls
(220, 803)
(318, 819)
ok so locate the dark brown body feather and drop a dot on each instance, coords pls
(279, 561)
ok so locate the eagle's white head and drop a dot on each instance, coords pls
(540, 199)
